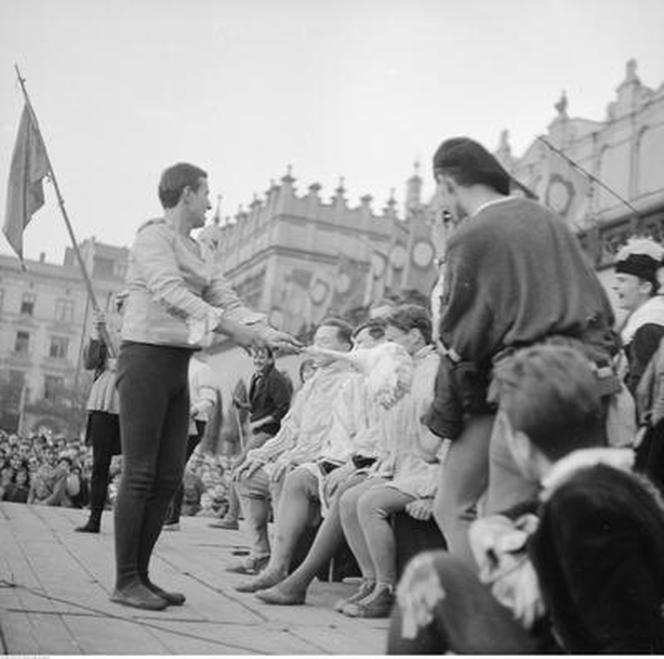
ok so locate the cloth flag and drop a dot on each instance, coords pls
(25, 190)
(349, 285)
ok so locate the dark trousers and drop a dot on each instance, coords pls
(442, 607)
(650, 455)
(173, 514)
(103, 432)
(154, 420)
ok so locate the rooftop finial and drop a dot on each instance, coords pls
(561, 105)
(288, 177)
(630, 71)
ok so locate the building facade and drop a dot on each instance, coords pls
(624, 151)
(297, 258)
(45, 318)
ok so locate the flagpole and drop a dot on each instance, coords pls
(61, 204)
(591, 176)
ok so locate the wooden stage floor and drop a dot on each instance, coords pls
(55, 584)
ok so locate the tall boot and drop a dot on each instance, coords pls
(94, 522)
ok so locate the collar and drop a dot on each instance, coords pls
(651, 311)
(423, 352)
(565, 468)
(493, 202)
(337, 366)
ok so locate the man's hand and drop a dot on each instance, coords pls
(484, 536)
(420, 509)
(240, 404)
(280, 341)
(252, 337)
(281, 468)
(247, 469)
(335, 478)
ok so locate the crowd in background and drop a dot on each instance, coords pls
(56, 471)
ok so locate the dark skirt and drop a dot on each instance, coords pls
(103, 430)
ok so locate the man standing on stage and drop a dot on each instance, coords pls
(515, 276)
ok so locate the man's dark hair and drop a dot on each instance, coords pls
(344, 329)
(412, 316)
(175, 179)
(469, 163)
(375, 326)
(550, 393)
(269, 353)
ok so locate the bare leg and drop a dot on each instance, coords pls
(374, 508)
(254, 499)
(352, 527)
(464, 478)
(293, 589)
(297, 507)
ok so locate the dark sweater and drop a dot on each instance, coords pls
(269, 395)
(598, 557)
(515, 275)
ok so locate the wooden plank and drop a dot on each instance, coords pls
(99, 635)
(75, 572)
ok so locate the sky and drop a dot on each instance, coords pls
(243, 88)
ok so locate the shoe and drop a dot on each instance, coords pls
(175, 526)
(228, 524)
(89, 527)
(276, 596)
(250, 566)
(263, 581)
(139, 596)
(177, 599)
(365, 589)
(377, 605)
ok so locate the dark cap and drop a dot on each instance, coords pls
(469, 163)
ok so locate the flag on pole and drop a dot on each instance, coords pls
(25, 190)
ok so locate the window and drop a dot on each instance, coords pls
(121, 270)
(52, 386)
(64, 310)
(102, 267)
(59, 347)
(17, 378)
(28, 304)
(22, 344)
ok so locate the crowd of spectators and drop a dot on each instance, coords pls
(55, 471)
(40, 468)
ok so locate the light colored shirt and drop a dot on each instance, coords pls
(174, 287)
(202, 389)
(353, 428)
(305, 426)
(411, 452)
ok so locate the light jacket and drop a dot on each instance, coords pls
(176, 293)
